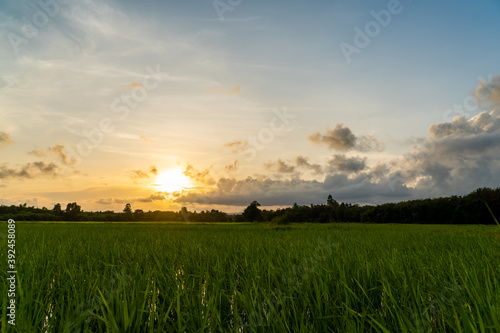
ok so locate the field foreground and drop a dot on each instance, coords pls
(97, 277)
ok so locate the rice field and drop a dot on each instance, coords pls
(166, 277)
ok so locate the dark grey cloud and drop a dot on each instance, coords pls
(343, 139)
(302, 161)
(271, 192)
(342, 163)
(339, 138)
(226, 185)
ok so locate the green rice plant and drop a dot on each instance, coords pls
(165, 277)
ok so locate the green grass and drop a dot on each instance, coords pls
(97, 277)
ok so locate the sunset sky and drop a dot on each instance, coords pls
(214, 104)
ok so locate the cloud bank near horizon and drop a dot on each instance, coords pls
(455, 158)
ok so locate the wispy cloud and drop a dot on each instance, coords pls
(280, 166)
(5, 139)
(237, 146)
(139, 174)
(57, 151)
(232, 167)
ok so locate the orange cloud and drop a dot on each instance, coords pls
(134, 85)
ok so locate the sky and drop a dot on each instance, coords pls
(215, 104)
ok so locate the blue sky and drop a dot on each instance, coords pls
(371, 129)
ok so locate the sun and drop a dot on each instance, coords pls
(172, 180)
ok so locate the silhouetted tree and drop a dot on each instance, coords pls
(57, 208)
(330, 201)
(252, 212)
(73, 211)
(128, 209)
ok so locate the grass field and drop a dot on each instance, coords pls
(118, 277)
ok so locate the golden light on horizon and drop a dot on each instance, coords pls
(173, 180)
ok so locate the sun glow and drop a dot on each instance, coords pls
(172, 180)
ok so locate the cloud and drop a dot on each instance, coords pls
(105, 201)
(134, 84)
(339, 138)
(485, 122)
(202, 177)
(455, 158)
(368, 143)
(346, 164)
(232, 167)
(284, 192)
(460, 155)
(302, 161)
(144, 138)
(30, 171)
(157, 196)
(343, 139)
(487, 93)
(58, 151)
(139, 174)
(237, 146)
(226, 185)
(280, 166)
(5, 139)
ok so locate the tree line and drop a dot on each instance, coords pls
(474, 208)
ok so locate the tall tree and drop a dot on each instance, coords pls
(252, 212)
(73, 211)
(128, 209)
(330, 201)
(57, 208)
